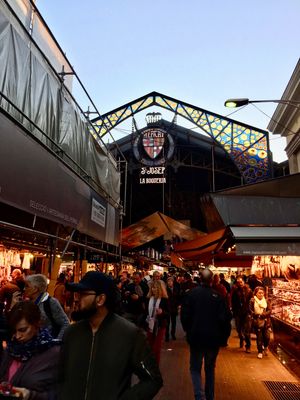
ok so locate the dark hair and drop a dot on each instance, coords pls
(24, 309)
(240, 277)
(113, 298)
(258, 288)
(61, 277)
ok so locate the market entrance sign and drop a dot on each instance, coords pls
(152, 148)
(153, 142)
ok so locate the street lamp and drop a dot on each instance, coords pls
(234, 103)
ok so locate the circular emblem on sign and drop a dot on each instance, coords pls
(153, 147)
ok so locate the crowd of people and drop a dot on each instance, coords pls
(53, 348)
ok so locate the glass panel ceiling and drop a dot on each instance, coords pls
(247, 146)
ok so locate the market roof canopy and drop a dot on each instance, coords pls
(260, 219)
(275, 202)
(267, 240)
(246, 145)
(248, 240)
(210, 249)
(154, 226)
(284, 186)
(199, 248)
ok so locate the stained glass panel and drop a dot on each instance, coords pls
(247, 146)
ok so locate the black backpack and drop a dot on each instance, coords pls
(48, 311)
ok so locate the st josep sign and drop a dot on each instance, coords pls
(152, 148)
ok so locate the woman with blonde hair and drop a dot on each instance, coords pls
(158, 313)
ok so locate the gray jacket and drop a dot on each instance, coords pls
(57, 316)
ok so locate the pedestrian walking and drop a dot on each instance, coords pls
(135, 308)
(224, 282)
(16, 284)
(53, 315)
(204, 317)
(60, 290)
(260, 312)
(158, 314)
(240, 302)
(174, 301)
(102, 351)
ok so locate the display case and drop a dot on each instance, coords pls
(285, 300)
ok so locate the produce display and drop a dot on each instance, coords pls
(285, 298)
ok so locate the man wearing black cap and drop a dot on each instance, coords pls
(102, 350)
(204, 317)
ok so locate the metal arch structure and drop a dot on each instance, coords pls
(247, 146)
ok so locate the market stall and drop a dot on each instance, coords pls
(283, 274)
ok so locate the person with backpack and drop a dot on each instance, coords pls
(53, 315)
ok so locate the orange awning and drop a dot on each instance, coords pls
(154, 226)
(209, 250)
(203, 246)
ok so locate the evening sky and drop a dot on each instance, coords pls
(200, 52)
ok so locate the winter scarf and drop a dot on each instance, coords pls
(24, 351)
(259, 305)
(152, 307)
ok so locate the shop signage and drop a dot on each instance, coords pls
(94, 257)
(152, 175)
(98, 213)
(282, 248)
(37, 182)
(152, 148)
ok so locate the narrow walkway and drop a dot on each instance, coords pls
(239, 376)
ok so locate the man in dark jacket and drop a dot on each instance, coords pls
(240, 303)
(102, 351)
(136, 301)
(15, 285)
(204, 317)
(224, 282)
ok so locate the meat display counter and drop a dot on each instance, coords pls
(285, 300)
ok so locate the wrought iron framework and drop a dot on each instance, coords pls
(247, 146)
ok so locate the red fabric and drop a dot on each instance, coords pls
(156, 341)
(14, 366)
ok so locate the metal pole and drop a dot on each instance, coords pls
(53, 250)
(125, 188)
(163, 198)
(163, 191)
(67, 244)
(120, 245)
(44, 234)
(213, 167)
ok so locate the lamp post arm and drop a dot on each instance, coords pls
(244, 101)
(289, 102)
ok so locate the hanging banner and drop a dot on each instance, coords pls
(34, 180)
